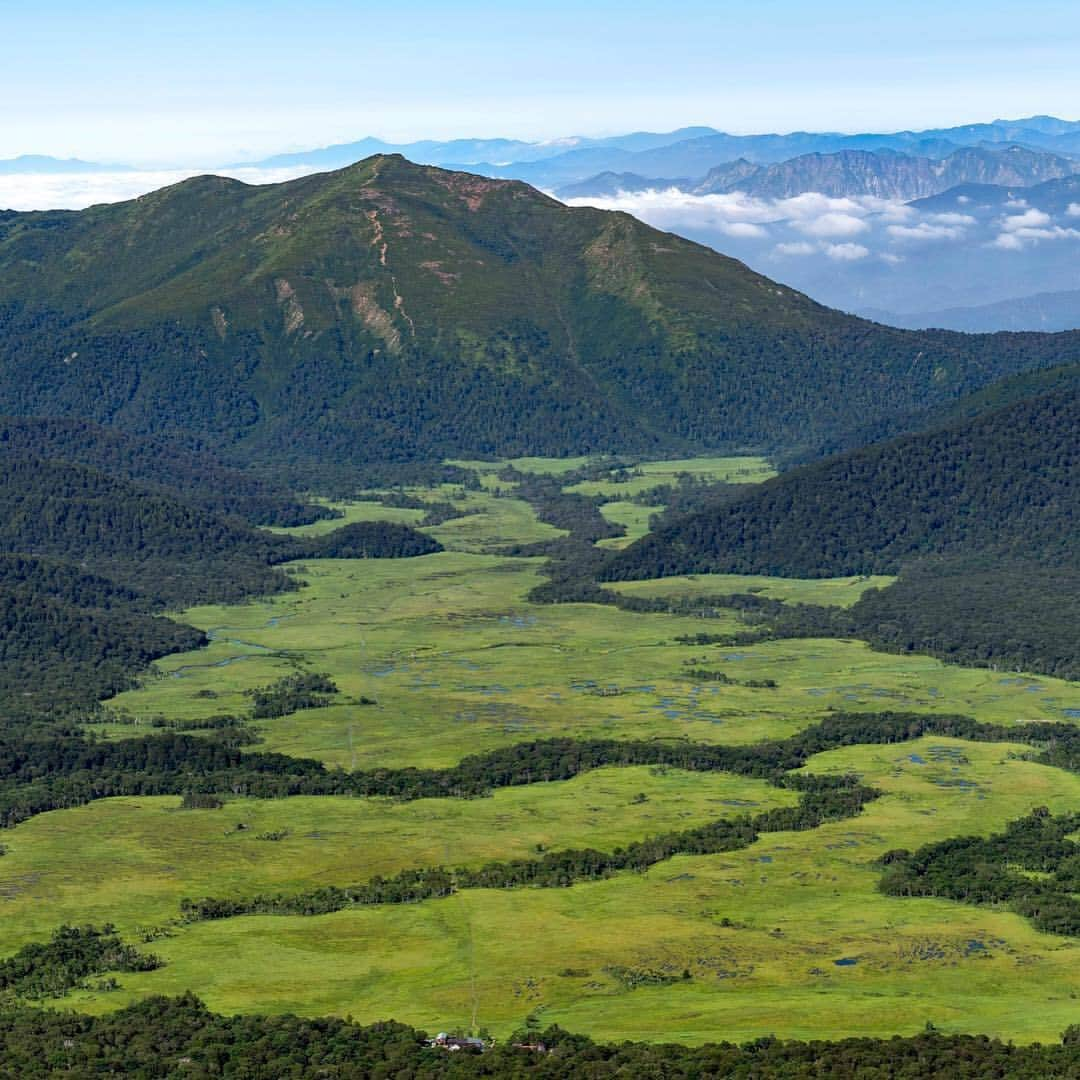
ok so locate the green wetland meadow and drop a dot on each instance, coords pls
(443, 656)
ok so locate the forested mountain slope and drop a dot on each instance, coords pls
(1003, 484)
(996, 395)
(68, 638)
(164, 547)
(160, 464)
(88, 561)
(391, 311)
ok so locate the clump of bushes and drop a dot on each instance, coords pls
(304, 690)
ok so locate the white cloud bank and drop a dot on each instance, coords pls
(74, 191)
(839, 229)
(1019, 231)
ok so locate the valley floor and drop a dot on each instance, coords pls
(789, 936)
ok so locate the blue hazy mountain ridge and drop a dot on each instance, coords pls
(1051, 197)
(694, 157)
(465, 152)
(688, 151)
(885, 174)
(1048, 311)
(43, 163)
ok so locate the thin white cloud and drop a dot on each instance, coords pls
(742, 228)
(798, 247)
(1018, 231)
(1017, 239)
(1007, 242)
(1074, 210)
(925, 231)
(846, 252)
(812, 214)
(952, 219)
(832, 224)
(898, 212)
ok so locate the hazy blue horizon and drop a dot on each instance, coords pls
(195, 83)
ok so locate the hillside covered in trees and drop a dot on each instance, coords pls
(165, 1037)
(89, 561)
(163, 465)
(390, 311)
(978, 518)
(1004, 483)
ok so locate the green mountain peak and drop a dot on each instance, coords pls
(393, 310)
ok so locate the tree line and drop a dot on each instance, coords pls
(1033, 868)
(53, 767)
(180, 1037)
(823, 799)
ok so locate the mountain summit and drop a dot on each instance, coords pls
(390, 310)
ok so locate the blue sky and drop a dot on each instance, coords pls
(198, 83)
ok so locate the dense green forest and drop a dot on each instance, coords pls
(68, 638)
(996, 395)
(158, 544)
(167, 1037)
(1033, 868)
(393, 312)
(73, 955)
(980, 519)
(162, 465)
(1015, 614)
(163, 546)
(88, 561)
(1004, 483)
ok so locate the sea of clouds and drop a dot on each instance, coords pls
(76, 191)
(875, 255)
(844, 229)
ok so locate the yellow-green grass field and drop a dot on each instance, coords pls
(747, 469)
(795, 904)
(832, 592)
(632, 516)
(131, 860)
(730, 470)
(359, 510)
(459, 662)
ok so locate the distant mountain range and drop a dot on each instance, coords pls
(696, 156)
(883, 174)
(684, 152)
(391, 311)
(1049, 311)
(467, 152)
(42, 163)
(689, 151)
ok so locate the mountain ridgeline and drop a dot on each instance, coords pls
(390, 311)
